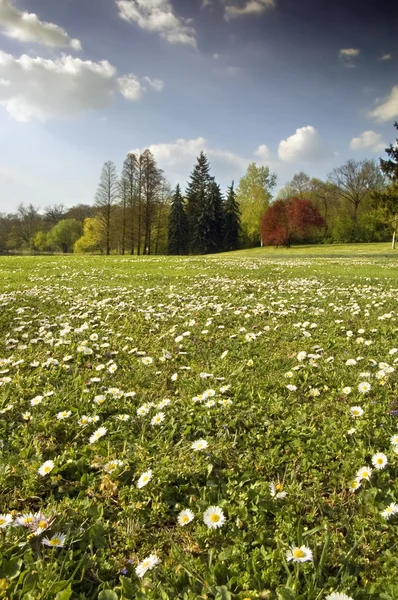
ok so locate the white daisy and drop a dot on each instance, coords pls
(185, 517)
(214, 517)
(64, 415)
(363, 387)
(302, 554)
(391, 510)
(364, 473)
(113, 465)
(99, 433)
(57, 541)
(147, 565)
(5, 520)
(355, 484)
(338, 596)
(144, 479)
(158, 418)
(46, 468)
(379, 460)
(199, 445)
(356, 411)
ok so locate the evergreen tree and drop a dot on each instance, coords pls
(217, 215)
(232, 220)
(387, 200)
(178, 225)
(197, 196)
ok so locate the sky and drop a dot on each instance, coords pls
(300, 85)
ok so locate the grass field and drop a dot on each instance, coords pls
(218, 428)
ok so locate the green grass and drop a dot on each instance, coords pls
(234, 324)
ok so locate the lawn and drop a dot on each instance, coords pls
(219, 427)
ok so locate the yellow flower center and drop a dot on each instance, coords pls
(2, 521)
(214, 518)
(47, 469)
(354, 484)
(185, 519)
(28, 520)
(42, 524)
(379, 461)
(146, 564)
(279, 487)
(298, 553)
(365, 474)
(55, 542)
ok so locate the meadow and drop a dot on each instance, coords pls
(220, 427)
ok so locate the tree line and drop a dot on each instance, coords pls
(137, 212)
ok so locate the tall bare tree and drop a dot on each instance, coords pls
(130, 182)
(354, 181)
(106, 200)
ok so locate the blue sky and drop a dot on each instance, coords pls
(296, 84)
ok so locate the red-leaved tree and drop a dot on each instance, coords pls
(288, 220)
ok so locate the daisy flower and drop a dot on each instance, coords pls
(157, 419)
(144, 479)
(338, 596)
(25, 520)
(185, 517)
(99, 433)
(199, 445)
(364, 473)
(391, 510)
(379, 460)
(147, 360)
(355, 484)
(302, 554)
(5, 520)
(113, 465)
(40, 523)
(356, 411)
(291, 387)
(57, 541)
(147, 565)
(276, 490)
(346, 390)
(363, 387)
(351, 431)
(46, 468)
(64, 415)
(394, 440)
(301, 356)
(36, 400)
(214, 517)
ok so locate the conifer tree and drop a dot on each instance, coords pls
(178, 225)
(197, 196)
(232, 226)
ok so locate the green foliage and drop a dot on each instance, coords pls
(232, 228)
(178, 232)
(224, 335)
(64, 235)
(253, 196)
(92, 239)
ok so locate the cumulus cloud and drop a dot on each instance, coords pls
(38, 88)
(386, 57)
(158, 16)
(263, 152)
(305, 145)
(388, 109)
(347, 56)
(250, 7)
(155, 84)
(368, 139)
(27, 27)
(178, 158)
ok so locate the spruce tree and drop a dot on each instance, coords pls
(178, 225)
(197, 196)
(217, 217)
(231, 220)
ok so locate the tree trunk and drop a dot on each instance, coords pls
(393, 239)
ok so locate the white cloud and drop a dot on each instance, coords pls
(263, 152)
(178, 158)
(155, 84)
(386, 57)
(130, 87)
(347, 56)
(250, 7)
(368, 139)
(27, 27)
(38, 88)
(388, 109)
(305, 145)
(158, 16)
